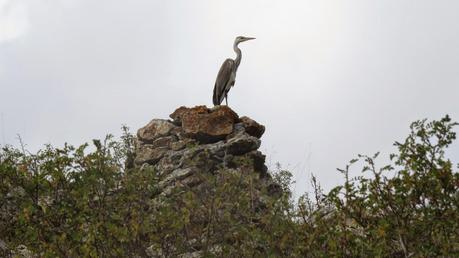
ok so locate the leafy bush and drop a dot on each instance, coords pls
(91, 202)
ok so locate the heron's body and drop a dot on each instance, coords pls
(227, 75)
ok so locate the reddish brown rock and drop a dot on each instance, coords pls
(177, 115)
(204, 124)
(252, 127)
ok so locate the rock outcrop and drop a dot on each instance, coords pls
(203, 141)
(217, 136)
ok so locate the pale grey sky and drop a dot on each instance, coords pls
(329, 79)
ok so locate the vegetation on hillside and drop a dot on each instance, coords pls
(85, 202)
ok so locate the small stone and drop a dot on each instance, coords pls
(147, 154)
(163, 141)
(155, 129)
(252, 127)
(3, 246)
(23, 251)
(146, 167)
(180, 145)
(177, 131)
(174, 176)
(237, 129)
(191, 181)
(242, 144)
(155, 251)
(179, 174)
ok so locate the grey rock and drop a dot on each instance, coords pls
(23, 252)
(252, 127)
(164, 141)
(3, 246)
(242, 144)
(179, 145)
(176, 175)
(150, 155)
(155, 251)
(155, 129)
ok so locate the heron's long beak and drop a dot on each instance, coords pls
(248, 39)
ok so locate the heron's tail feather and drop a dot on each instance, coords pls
(215, 99)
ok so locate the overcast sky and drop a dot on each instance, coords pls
(329, 79)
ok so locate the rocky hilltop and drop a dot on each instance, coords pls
(199, 140)
(197, 144)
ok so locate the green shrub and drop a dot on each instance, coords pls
(91, 202)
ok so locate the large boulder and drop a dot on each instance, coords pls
(204, 124)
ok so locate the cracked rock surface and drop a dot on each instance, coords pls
(199, 139)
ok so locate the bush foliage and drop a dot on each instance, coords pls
(85, 202)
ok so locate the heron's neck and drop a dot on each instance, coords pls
(238, 53)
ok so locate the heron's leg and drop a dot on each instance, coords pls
(226, 99)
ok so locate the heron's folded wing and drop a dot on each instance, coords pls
(223, 77)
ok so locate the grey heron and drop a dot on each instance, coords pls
(227, 74)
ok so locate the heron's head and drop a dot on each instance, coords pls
(241, 39)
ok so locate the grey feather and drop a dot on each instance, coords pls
(223, 82)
